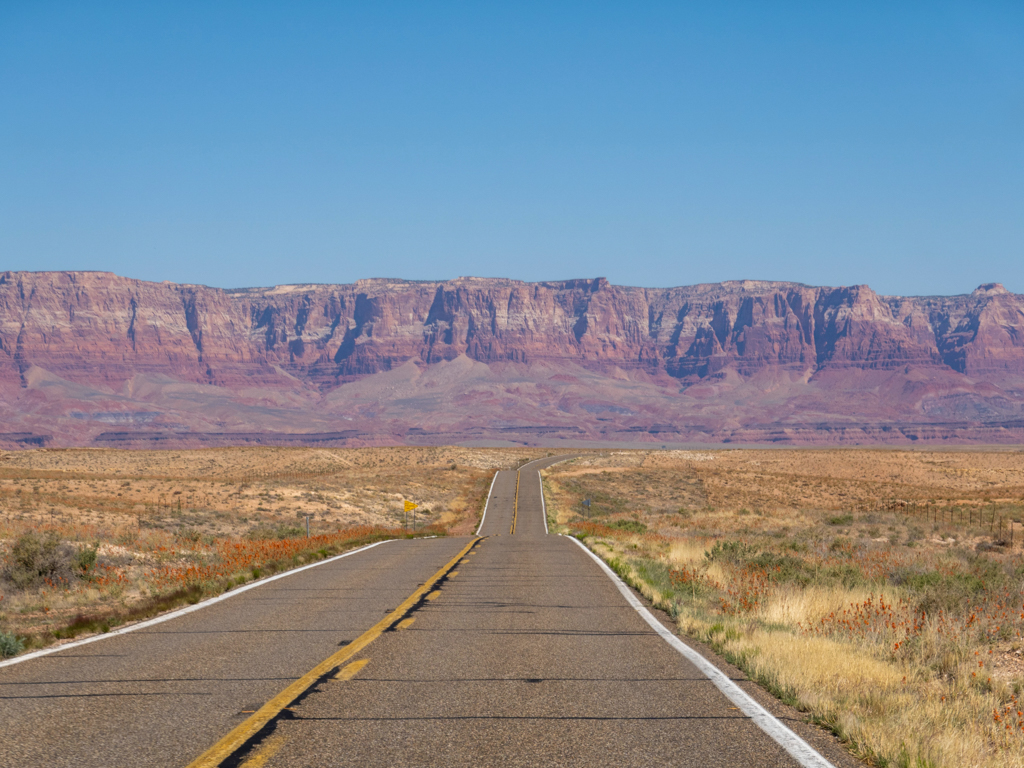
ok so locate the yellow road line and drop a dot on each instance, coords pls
(244, 731)
(453, 574)
(515, 506)
(405, 623)
(267, 750)
(434, 595)
(351, 670)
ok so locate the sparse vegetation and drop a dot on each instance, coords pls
(907, 644)
(36, 558)
(105, 536)
(10, 645)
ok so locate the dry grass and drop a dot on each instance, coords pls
(901, 634)
(192, 523)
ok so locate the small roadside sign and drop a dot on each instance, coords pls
(409, 507)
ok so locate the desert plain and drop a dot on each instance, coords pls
(879, 592)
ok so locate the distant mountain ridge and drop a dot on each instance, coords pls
(384, 361)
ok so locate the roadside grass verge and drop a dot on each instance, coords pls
(94, 538)
(902, 638)
(109, 595)
(900, 687)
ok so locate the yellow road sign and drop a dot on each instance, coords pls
(410, 506)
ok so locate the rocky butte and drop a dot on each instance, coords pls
(91, 358)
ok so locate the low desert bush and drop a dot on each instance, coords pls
(187, 535)
(630, 526)
(10, 645)
(730, 551)
(37, 558)
(85, 559)
(274, 533)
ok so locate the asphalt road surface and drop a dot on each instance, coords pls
(525, 653)
(161, 695)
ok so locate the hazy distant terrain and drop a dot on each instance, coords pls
(91, 358)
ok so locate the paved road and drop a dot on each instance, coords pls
(501, 506)
(162, 695)
(527, 654)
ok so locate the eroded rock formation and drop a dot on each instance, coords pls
(744, 357)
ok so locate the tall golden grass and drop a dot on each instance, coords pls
(904, 638)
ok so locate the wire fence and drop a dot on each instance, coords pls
(1000, 523)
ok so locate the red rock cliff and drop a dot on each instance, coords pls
(101, 329)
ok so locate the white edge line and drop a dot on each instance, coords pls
(798, 749)
(543, 506)
(183, 611)
(487, 503)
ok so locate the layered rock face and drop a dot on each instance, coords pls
(116, 337)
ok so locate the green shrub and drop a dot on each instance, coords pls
(847, 574)
(654, 572)
(730, 551)
(10, 645)
(35, 558)
(632, 526)
(948, 592)
(783, 567)
(85, 558)
(989, 571)
(842, 545)
(841, 519)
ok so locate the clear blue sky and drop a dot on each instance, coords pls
(656, 144)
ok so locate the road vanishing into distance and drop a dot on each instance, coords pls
(511, 648)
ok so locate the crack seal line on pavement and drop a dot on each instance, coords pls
(239, 736)
(797, 748)
(188, 609)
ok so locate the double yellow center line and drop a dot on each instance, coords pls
(242, 733)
